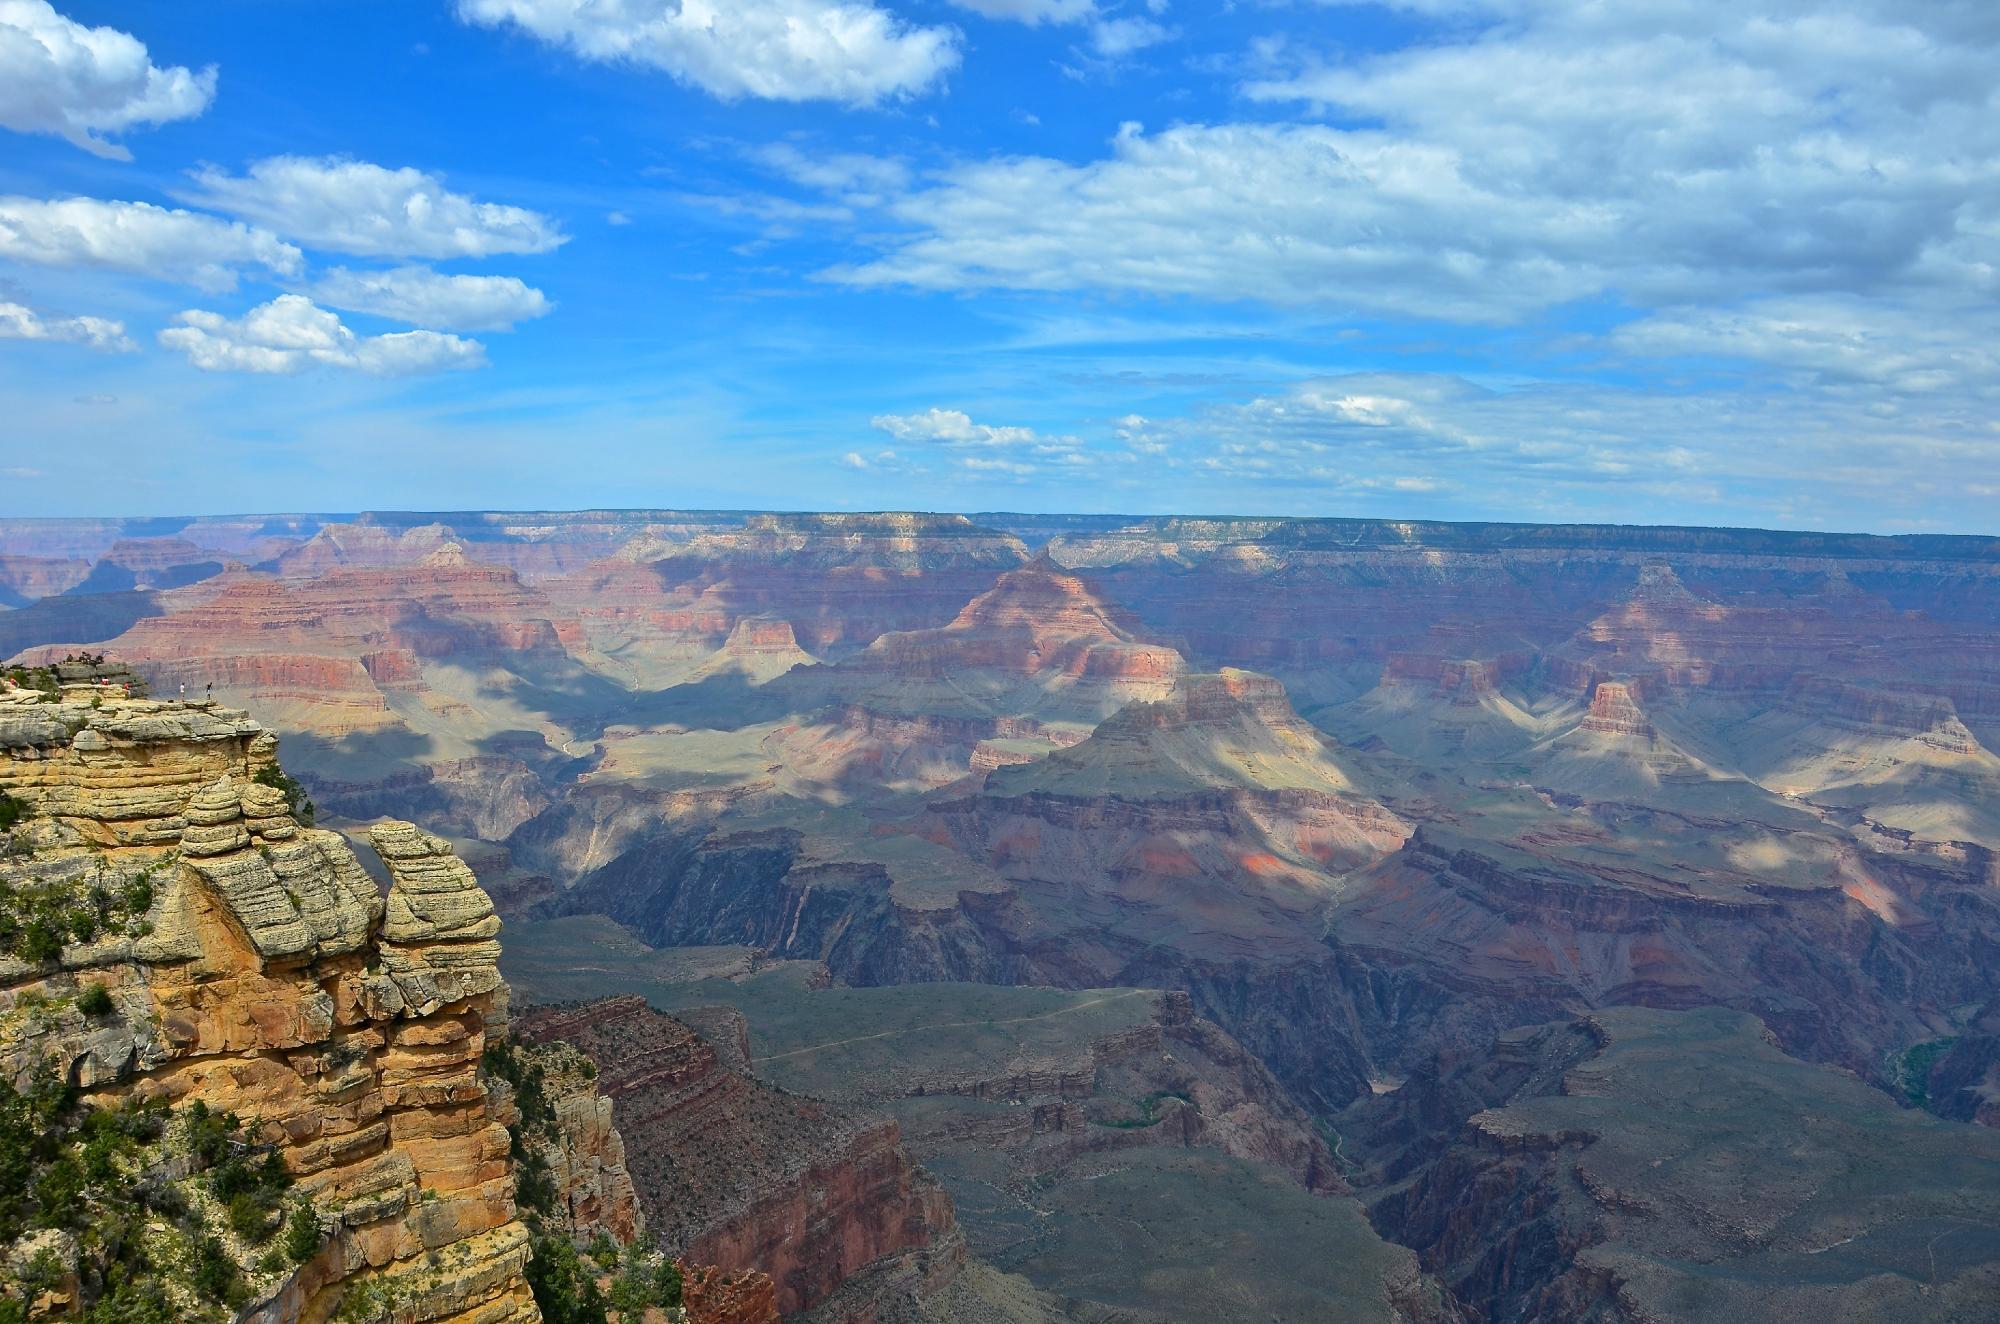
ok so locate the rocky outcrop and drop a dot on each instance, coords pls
(1035, 620)
(1929, 717)
(759, 649)
(716, 1297)
(1614, 712)
(582, 1151)
(738, 1175)
(265, 975)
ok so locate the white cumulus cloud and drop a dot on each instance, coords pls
(1115, 38)
(357, 207)
(137, 237)
(1523, 155)
(291, 333)
(431, 299)
(783, 50)
(20, 322)
(981, 447)
(59, 77)
(950, 427)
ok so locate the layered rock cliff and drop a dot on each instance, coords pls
(178, 936)
(741, 1176)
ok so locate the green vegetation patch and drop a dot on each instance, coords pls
(40, 679)
(1910, 1070)
(39, 916)
(160, 1215)
(1149, 1112)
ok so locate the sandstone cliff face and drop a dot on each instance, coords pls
(583, 1152)
(268, 977)
(737, 1175)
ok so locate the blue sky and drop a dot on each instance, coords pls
(1693, 261)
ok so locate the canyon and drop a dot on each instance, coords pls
(1361, 871)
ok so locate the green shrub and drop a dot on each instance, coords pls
(508, 1061)
(604, 1250)
(253, 1216)
(95, 1001)
(534, 1189)
(39, 916)
(138, 895)
(640, 1286)
(297, 802)
(667, 1285)
(237, 1175)
(59, 1193)
(208, 1134)
(564, 1286)
(216, 1275)
(365, 1303)
(302, 1236)
(631, 1293)
(64, 1164)
(138, 1300)
(39, 942)
(12, 810)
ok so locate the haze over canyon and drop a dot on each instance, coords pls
(1026, 917)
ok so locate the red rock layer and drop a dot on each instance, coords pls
(754, 636)
(735, 1174)
(1613, 712)
(714, 1297)
(323, 651)
(1461, 682)
(1034, 621)
(441, 605)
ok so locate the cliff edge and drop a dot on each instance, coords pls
(178, 948)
